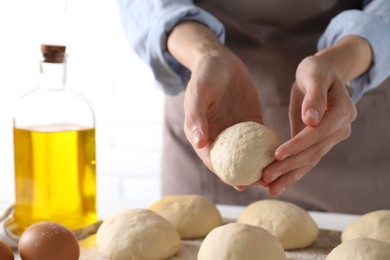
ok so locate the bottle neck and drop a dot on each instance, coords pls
(52, 75)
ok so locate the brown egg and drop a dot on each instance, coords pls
(48, 241)
(6, 252)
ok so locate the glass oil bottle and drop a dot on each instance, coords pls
(54, 151)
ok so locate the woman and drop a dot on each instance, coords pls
(224, 62)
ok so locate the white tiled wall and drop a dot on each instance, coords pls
(127, 105)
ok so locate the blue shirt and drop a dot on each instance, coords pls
(147, 22)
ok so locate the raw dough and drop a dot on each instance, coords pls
(290, 224)
(241, 152)
(361, 248)
(375, 224)
(238, 241)
(137, 234)
(193, 216)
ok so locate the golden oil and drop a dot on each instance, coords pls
(55, 177)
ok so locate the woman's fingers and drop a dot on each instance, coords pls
(340, 113)
(283, 174)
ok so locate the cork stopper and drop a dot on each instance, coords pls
(53, 53)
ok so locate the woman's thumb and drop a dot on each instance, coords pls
(196, 127)
(313, 106)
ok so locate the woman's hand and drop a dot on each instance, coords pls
(220, 92)
(321, 111)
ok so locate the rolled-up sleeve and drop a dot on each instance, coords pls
(146, 24)
(373, 24)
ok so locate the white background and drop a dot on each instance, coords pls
(128, 107)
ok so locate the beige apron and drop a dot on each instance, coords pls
(272, 37)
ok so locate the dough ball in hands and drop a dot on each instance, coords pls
(240, 153)
(238, 241)
(361, 248)
(375, 224)
(193, 216)
(137, 234)
(289, 223)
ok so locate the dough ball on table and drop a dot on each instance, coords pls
(375, 224)
(290, 224)
(238, 241)
(193, 216)
(361, 248)
(240, 153)
(137, 234)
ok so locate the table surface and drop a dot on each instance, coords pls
(324, 220)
